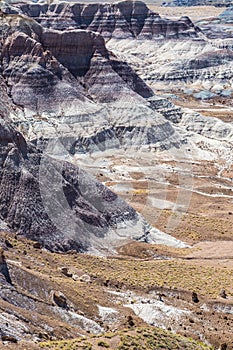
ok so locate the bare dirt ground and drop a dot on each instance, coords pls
(216, 254)
(218, 107)
(194, 12)
(200, 208)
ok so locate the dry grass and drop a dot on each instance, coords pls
(146, 273)
(140, 338)
(36, 272)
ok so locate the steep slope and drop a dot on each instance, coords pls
(58, 204)
(83, 106)
(52, 58)
(218, 26)
(68, 84)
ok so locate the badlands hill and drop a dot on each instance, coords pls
(194, 52)
(61, 62)
(47, 79)
(97, 212)
(125, 19)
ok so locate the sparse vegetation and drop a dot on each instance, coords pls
(139, 338)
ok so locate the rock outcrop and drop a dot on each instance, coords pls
(4, 271)
(121, 20)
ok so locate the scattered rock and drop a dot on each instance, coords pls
(37, 245)
(75, 277)
(160, 297)
(106, 283)
(8, 243)
(43, 335)
(85, 278)
(130, 321)
(59, 299)
(9, 338)
(65, 271)
(195, 297)
(223, 294)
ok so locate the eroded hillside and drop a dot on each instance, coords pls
(116, 139)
